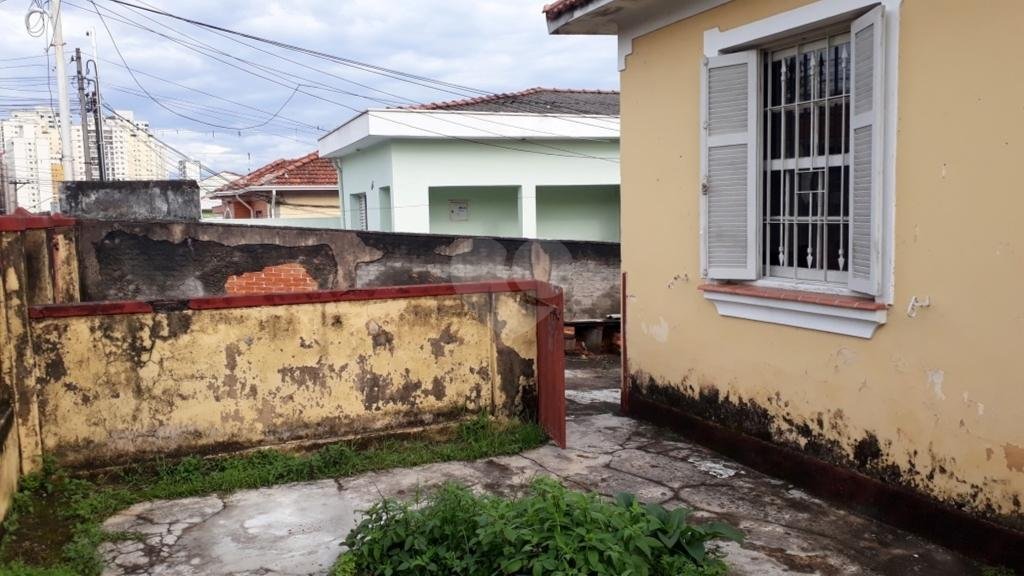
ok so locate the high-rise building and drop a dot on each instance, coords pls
(131, 150)
(30, 142)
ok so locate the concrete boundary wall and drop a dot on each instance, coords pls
(130, 381)
(124, 260)
(104, 383)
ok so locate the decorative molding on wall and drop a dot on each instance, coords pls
(834, 319)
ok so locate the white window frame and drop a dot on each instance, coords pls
(814, 16)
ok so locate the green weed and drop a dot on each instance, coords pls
(551, 530)
(54, 526)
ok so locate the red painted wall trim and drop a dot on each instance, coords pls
(284, 299)
(22, 219)
(90, 309)
(383, 293)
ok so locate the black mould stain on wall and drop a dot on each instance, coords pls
(168, 260)
(588, 272)
(826, 437)
(133, 266)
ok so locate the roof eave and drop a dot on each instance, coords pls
(380, 125)
(597, 17)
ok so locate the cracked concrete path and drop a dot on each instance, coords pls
(296, 529)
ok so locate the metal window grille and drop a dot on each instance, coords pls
(806, 160)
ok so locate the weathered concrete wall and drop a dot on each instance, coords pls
(127, 387)
(133, 199)
(161, 260)
(10, 467)
(933, 402)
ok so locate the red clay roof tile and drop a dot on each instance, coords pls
(309, 170)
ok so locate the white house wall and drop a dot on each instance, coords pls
(418, 165)
(365, 172)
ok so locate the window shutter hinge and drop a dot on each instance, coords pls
(705, 61)
(704, 187)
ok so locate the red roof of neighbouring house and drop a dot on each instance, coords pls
(309, 170)
(535, 100)
(556, 9)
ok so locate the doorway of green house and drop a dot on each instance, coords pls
(475, 211)
(588, 213)
(384, 203)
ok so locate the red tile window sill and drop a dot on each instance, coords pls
(795, 296)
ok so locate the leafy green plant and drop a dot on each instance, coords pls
(550, 531)
(54, 526)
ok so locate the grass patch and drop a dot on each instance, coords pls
(54, 526)
(550, 530)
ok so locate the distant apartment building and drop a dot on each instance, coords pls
(30, 141)
(31, 146)
(130, 149)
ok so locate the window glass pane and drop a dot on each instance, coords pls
(774, 245)
(838, 126)
(775, 127)
(789, 79)
(788, 129)
(838, 203)
(839, 69)
(804, 137)
(836, 241)
(775, 83)
(821, 125)
(805, 204)
(775, 193)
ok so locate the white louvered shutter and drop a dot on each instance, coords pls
(363, 221)
(867, 153)
(729, 167)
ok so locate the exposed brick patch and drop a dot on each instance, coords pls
(290, 277)
(795, 296)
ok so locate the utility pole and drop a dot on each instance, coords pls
(83, 104)
(97, 105)
(67, 160)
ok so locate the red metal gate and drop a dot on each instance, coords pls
(551, 362)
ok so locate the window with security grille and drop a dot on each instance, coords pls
(805, 203)
(792, 159)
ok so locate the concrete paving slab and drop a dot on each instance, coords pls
(297, 529)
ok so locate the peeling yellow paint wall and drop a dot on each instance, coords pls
(939, 395)
(120, 388)
(65, 266)
(9, 470)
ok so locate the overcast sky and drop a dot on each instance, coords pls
(492, 45)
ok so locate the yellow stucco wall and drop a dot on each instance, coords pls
(309, 204)
(119, 388)
(941, 392)
(9, 470)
